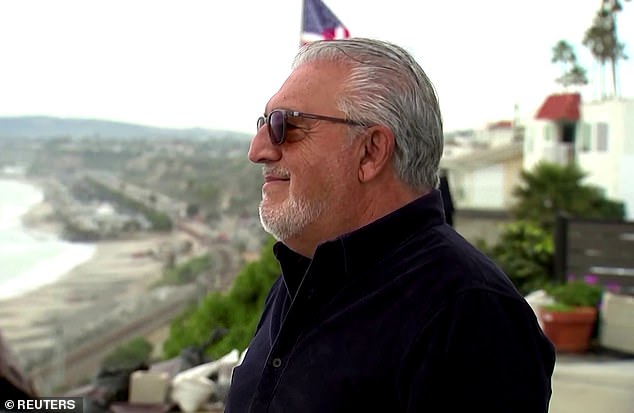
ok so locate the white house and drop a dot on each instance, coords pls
(606, 148)
(551, 135)
(598, 136)
(484, 176)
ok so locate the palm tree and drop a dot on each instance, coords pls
(571, 72)
(549, 189)
(564, 54)
(575, 76)
(602, 40)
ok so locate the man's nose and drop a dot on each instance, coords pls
(262, 150)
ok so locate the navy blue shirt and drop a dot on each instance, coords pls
(402, 315)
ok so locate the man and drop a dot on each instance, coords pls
(381, 306)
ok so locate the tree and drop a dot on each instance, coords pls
(192, 210)
(563, 53)
(525, 250)
(602, 38)
(571, 72)
(550, 189)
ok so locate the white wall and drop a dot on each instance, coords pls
(626, 187)
(495, 136)
(533, 143)
(541, 143)
(610, 168)
(486, 189)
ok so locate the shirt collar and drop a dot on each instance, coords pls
(363, 247)
(367, 245)
(293, 266)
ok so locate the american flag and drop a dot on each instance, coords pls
(319, 23)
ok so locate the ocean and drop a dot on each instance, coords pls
(30, 259)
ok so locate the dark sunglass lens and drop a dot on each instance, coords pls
(261, 121)
(277, 128)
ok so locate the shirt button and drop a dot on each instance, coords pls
(276, 362)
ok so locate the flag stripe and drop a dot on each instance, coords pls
(320, 23)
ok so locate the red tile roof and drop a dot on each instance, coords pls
(501, 124)
(560, 107)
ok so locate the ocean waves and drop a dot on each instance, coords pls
(28, 259)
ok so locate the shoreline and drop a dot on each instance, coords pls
(79, 302)
(117, 270)
(98, 299)
(40, 219)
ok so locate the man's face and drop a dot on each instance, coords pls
(309, 179)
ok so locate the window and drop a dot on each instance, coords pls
(602, 137)
(586, 137)
(568, 132)
(548, 133)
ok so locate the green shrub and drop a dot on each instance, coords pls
(575, 294)
(186, 272)
(525, 250)
(525, 253)
(237, 311)
(134, 352)
(549, 189)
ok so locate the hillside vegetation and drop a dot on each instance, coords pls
(236, 312)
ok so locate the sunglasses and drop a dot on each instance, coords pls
(277, 122)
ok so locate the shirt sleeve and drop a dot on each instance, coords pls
(482, 352)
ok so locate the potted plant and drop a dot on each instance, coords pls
(570, 320)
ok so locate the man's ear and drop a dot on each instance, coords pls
(376, 152)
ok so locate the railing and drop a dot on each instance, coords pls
(561, 153)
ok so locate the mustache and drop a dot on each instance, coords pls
(276, 171)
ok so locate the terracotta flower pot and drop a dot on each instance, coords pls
(569, 331)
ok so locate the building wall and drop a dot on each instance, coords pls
(602, 169)
(626, 187)
(537, 141)
(486, 179)
(512, 171)
(495, 136)
(605, 149)
(628, 116)
(486, 187)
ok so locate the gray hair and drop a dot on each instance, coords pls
(387, 87)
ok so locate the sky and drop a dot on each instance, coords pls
(215, 64)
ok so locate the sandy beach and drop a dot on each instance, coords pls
(94, 294)
(112, 272)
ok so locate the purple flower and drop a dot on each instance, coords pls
(591, 279)
(613, 287)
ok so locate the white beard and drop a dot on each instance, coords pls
(290, 218)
